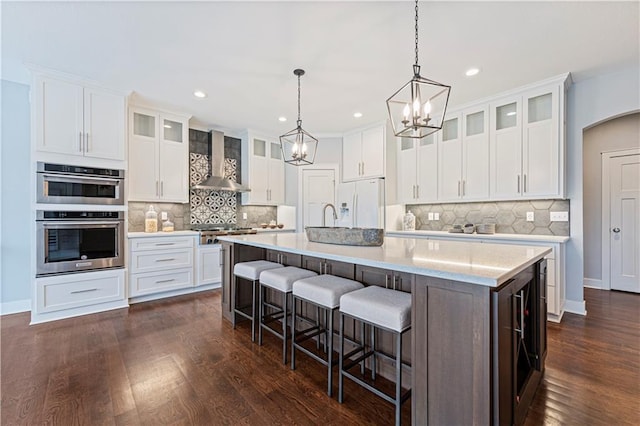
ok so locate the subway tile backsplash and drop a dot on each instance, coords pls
(508, 216)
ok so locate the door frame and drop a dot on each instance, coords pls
(606, 212)
(300, 204)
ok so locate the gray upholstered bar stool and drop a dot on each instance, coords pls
(381, 308)
(322, 291)
(249, 271)
(280, 280)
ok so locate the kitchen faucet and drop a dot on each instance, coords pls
(324, 213)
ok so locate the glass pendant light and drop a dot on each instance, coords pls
(298, 146)
(417, 109)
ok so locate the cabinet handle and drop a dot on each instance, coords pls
(320, 271)
(221, 257)
(165, 281)
(464, 187)
(166, 260)
(157, 189)
(164, 244)
(524, 183)
(518, 184)
(79, 141)
(458, 188)
(386, 281)
(84, 291)
(161, 188)
(86, 142)
(394, 282)
(417, 191)
(363, 168)
(520, 330)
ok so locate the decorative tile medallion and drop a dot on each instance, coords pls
(209, 206)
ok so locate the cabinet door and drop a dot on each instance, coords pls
(259, 171)
(226, 253)
(506, 149)
(351, 156)
(104, 119)
(540, 144)
(373, 152)
(340, 269)
(407, 173)
(174, 159)
(475, 155)
(209, 266)
(276, 175)
(427, 169)
(59, 117)
(450, 157)
(315, 264)
(143, 173)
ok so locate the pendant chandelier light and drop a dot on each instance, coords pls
(298, 146)
(417, 109)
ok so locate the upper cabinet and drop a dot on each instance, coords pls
(158, 156)
(526, 150)
(86, 123)
(363, 153)
(262, 170)
(418, 174)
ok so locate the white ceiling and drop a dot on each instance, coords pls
(356, 54)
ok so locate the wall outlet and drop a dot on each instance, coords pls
(244, 215)
(436, 216)
(430, 215)
(529, 216)
(559, 216)
(163, 215)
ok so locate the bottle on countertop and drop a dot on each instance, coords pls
(409, 222)
(151, 220)
(167, 226)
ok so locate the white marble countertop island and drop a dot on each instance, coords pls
(485, 264)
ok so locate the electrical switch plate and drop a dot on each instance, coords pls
(436, 216)
(559, 216)
(529, 216)
(430, 215)
(244, 215)
(163, 215)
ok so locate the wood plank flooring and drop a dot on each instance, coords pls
(176, 362)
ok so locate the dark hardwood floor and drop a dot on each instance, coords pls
(176, 362)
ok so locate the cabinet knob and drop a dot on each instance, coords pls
(616, 230)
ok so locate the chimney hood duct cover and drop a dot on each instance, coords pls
(217, 181)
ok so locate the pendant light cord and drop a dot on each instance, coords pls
(416, 32)
(299, 121)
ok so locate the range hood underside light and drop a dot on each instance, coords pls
(217, 181)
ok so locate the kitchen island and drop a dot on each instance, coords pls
(478, 339)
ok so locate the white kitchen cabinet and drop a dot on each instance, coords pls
(418, 170)
(158, 156)
(208, 265)
(160, 264)
(463, 148)
(363, 153)
(79, 121)
(526, 145)
(262, 170)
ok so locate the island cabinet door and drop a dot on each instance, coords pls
(287, 259)
(331, 267)
(226, 253)
(394, 280)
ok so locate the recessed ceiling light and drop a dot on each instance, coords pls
(357, 114)
(282, 119)
(472, 71)
(199, 94)
(511, 113)
(167, 126)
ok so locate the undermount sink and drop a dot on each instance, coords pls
(345, 236)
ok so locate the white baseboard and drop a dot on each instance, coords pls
(575, 307)
(593, 283)
(14, 307)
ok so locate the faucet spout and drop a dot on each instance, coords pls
(324, 213)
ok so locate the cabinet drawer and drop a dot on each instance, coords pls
(73, 291)
(159, 260)
(160, 243)
(155, 282)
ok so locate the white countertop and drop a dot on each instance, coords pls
(163, 234)
(263, 230)
(485, 264)
(513, 237)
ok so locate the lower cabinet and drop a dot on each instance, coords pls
(331, 267)
(284, 258)
(208, 265)
(384, 278)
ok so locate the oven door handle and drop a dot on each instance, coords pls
(87, 180)
(87, 224)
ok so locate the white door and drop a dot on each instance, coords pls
(143, 174)
(475, 155)
(427, 169)
(450, 156)
(506, 149)
(104, 125)
(174, 160)
(259, 172)
(318, 190)
(373, 152)
(625, 223)
(276, 174)
(351, 156)
(407, 172)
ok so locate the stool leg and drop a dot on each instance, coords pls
(326, 321)
(318, 325)
(234, 290)
(373, 348)
(398, 378)
(364, 349)
(260, 312)
(253, 311)
(293, 334)
(330, 355)
(340, 360)
(284, 328)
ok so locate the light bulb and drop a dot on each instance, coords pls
(427, 108)
(295, 148)
(406, 111)
(416, 107)
(304, 148)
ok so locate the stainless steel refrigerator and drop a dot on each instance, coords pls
(361, 204)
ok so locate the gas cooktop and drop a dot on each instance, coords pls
(216, 227)
(209, 232)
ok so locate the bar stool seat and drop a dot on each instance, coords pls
(384, 309)
(280, 280)
(323, 291)
(249, 271)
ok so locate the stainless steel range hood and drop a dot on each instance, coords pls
(217, 181)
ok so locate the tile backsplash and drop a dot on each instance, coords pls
(508, 216)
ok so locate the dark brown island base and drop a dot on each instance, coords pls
(478, 339)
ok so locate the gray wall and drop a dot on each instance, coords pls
(614, 135)
(15, 280)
